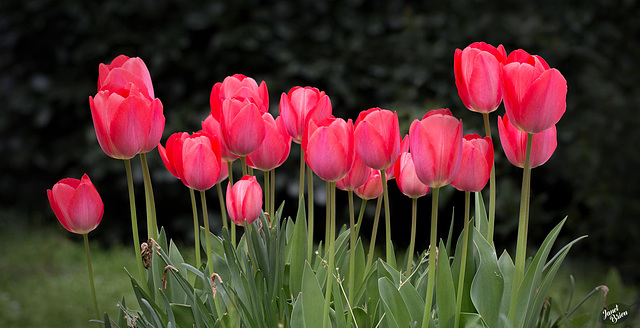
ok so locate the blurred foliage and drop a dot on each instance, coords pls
(391, 54)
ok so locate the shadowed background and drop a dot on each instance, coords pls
(396, 55)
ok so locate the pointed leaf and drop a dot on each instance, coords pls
(487, 286)
(445, 293)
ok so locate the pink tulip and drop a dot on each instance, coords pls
(477, 160)
(242, 126)
(194, 159)
(404, 147)
(300, 106)
(436, 147)
(514, 143)
(357, 176)
(126, 125)
(377, 138)
(328, 147)
(239, 86)
(478, 71)
(406, 177)
(211, 126)
(534, 94)
(275, 148)
(123, 70)
(244, 200)
(372, 188)
(76, 204)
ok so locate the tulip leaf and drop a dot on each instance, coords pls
(470, 269)
(488, 285)
(414, 302)
(482, 223)
(507, 268)
(397, 315)
(183, 314)
(312, 298)
(445, 295)
(297, 314)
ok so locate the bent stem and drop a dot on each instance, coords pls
(463, 262)
(205, 218)
(523, 224)
(152, 225)
(387, 215)
(331, 203)
(432, 257)
(412, 242)
(93, 287)
(492, 184)
(134, 221)
(374, 233)
(196, 227)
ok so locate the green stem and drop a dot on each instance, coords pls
(233, 226)
(327, 219)
(273, 192)
(134, 221)
(310, 212)
(152, 226)
(523, 224)
(412, 242)
(432, 257)
(463, 263)
(363, 205)
(352, 252)
(205, 218)
(331, 187)
(387, 215)
(492, 184)
(301, 186)
(243, 161)
(374, 234)
(223, 210)
(93, 287)
(196, 227)
(267, 192)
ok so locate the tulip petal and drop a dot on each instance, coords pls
(544, 102)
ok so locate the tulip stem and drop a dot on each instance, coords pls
(223, 210)
(327, 225)
(374, 234)
(492, 184)
(205, 218)
(523, 224)
(412, 242)
(463, 262)
(152, 226)
(134, 220)
(331, 203)
(432, 257)
(243, 161)
(273, 191)
(387, 216)
(352, 252)
(310, 208)
(363, 205)
(233, 226)
(267, 192)
(93, 287)
(196, 227)
(301, 185)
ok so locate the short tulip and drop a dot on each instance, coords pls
(275, 148)
(194, 159)
(357, 176)
(76, 204)
(328, 147)
(478, 72)
(534, 94)
(302, 105)
(244, 200)
(406, 177)
(514, 144)
(377, 138)
(239, 86)
(477, 160)
(242, 126)
(436, 147)
(124, 70)
(372, 188)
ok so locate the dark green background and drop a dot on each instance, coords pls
(396, 55)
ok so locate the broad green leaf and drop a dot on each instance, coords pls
(172, 319)
(487, 286)
(507, 268)
(482, 223)
(312, 298)
(183, 314)
(339, 301)
(297, 314)
(122, 320)
(362, 318)
(445, 293)
(397, 315)
(469, 272)
(470, 320)
(414, 302)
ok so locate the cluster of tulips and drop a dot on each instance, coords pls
(359, 157)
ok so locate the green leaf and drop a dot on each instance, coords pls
(362, 318)
(470, 270)
(445, 293)
(449, 236)
(414, 302)
(312, 298)
(482, 223)
(470, 320)
(122, 320)
(487, 285)
(339, 301)
(297, 314)
(397, 315)
(183, 314)
(507, 268)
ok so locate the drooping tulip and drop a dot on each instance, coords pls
(239, 86)
(302, 105)
(244, 200)
(477, 160)
(76, 204)
(328, 147)
(514, 144)
(436, 147)
(242, 126)
(194, 159)
(211, 126)
(123, 70)
(406, 177)
(534, 94)
(275, 148)
(372, 188)
(377, 138)
(478, 72)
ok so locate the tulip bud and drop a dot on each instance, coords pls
(275, 147)
(76, 204)
(477, 161)
(372, 188)
(478, 72)
(377, 138)
(244, 200)
(406, 177)
(328, 147)
(300, 106)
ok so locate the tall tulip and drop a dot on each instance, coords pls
(514, 144)
(124, 70)
(534, 94)
(477, 160)
(239, 86)
(275, 147)
(302, 105)
(328, 145)
(478, 72)
(377, 138)
(244, 200)
(242, 126)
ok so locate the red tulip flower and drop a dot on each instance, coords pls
(478, 71)
(242, 126)
(477, 160)
(372, 188)
(194, 159)
(126, 124)
(275, 147)
(302, 105)
(239, 86)
(514, 144)
(377, 138)
(406, 177)
(534, 94)
(244, 200)
(328, 145)
(123, 70)
(436, 147)
(357, 176)
(211, 126)
(76, 204)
